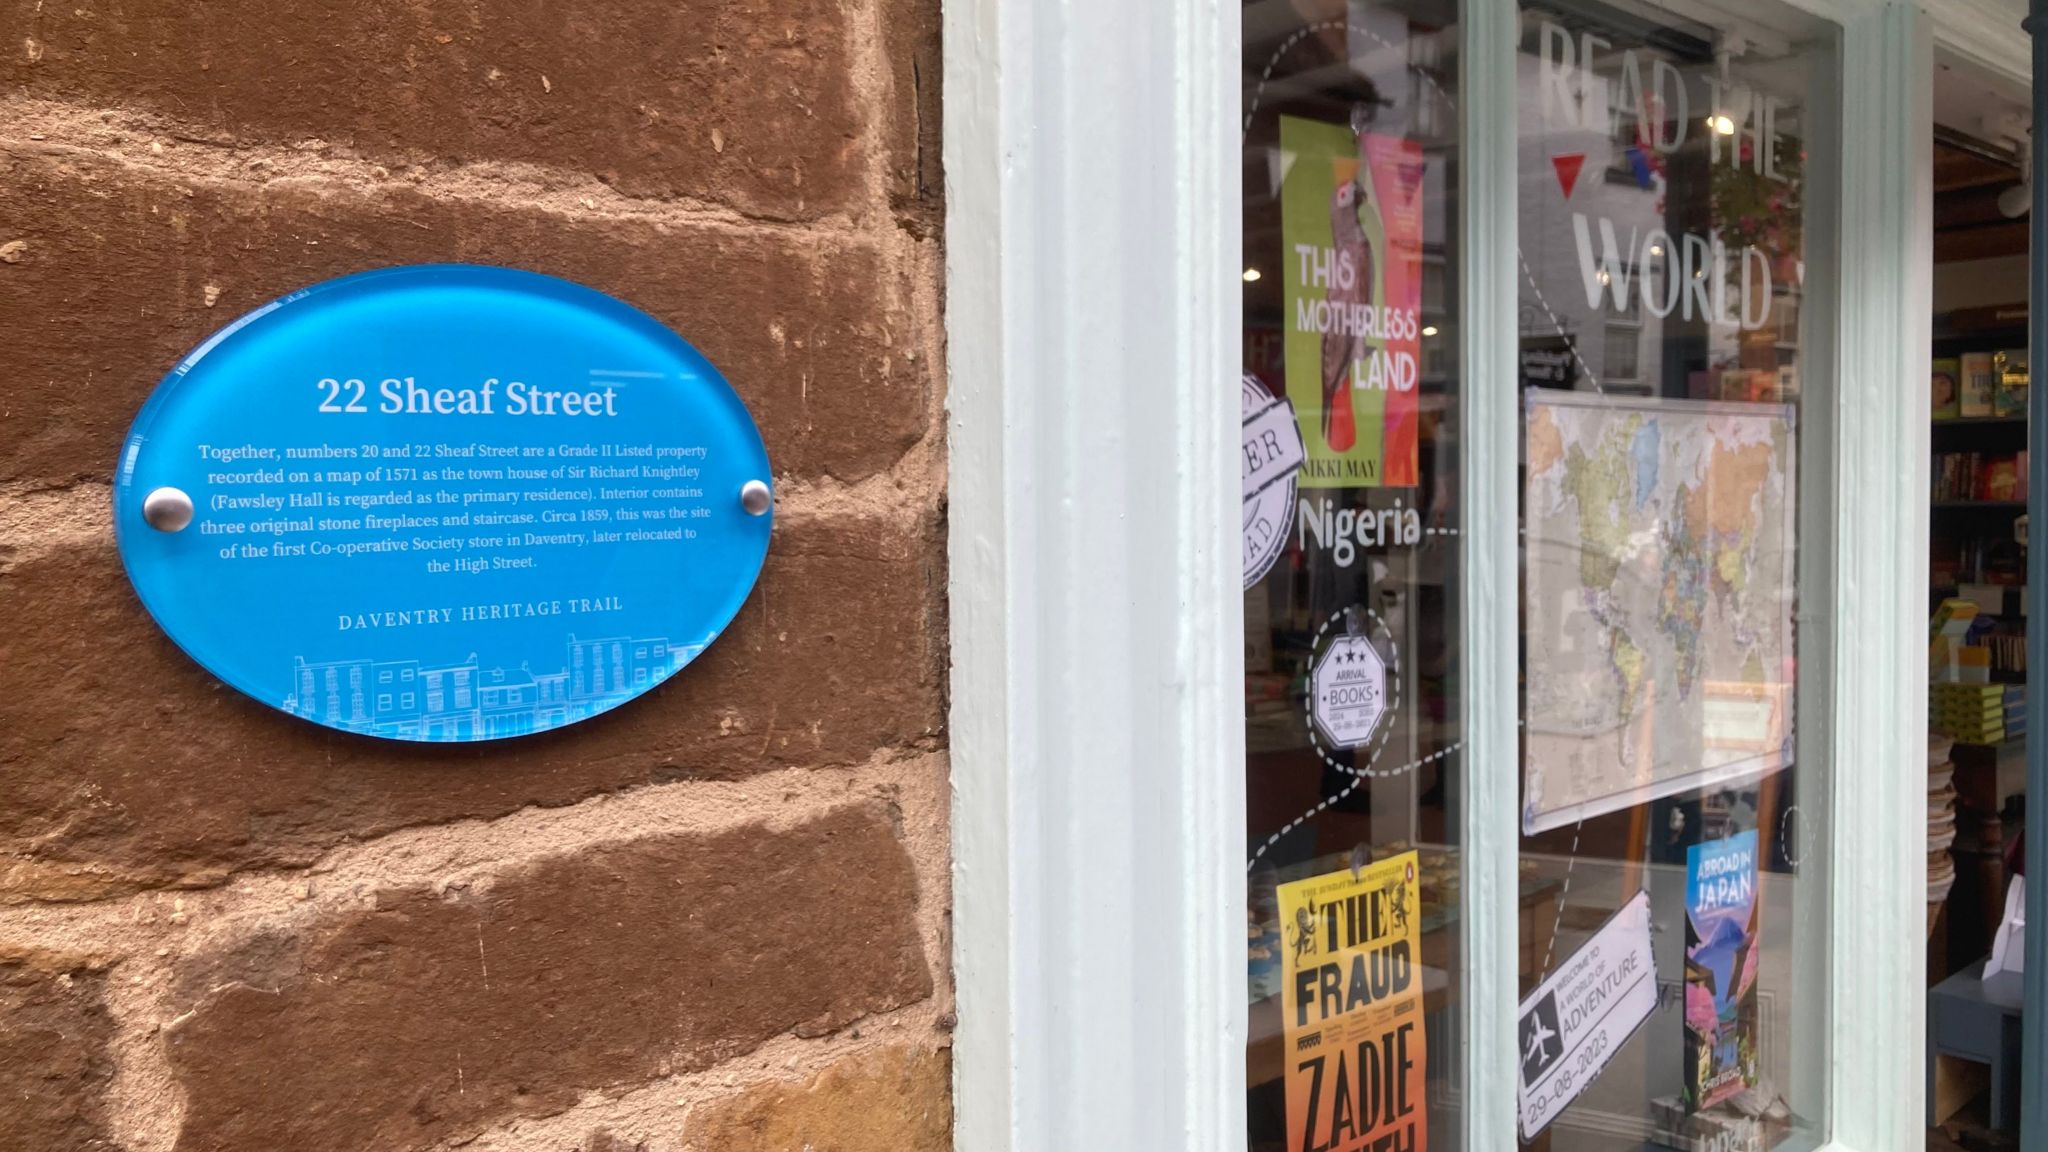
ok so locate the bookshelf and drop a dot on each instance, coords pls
(1979, 444)
(1976, 554)
(1980, 422)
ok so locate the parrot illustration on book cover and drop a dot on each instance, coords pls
(1341, 348)
(1351, 248)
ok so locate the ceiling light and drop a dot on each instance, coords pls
(1429, 329)
(1721, 124)
(1251, 274)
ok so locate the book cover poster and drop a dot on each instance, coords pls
(1351, 988)
(1351, 233)
(1721, 940)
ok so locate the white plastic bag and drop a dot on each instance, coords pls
(2009, 947)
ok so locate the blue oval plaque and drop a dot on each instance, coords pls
(443, 503)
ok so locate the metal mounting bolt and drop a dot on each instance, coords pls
(167, 509)
(754, 497)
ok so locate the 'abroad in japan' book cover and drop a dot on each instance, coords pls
(1721, 939)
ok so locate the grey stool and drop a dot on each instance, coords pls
(1971, 1018)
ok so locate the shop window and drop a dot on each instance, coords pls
(1665, 801)
(1671, 772)
(1350, 392)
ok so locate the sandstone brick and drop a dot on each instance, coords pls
(749, 104)
(430, 1017)
(896, 1100)
(916, 177)
(126, 765)
(120, 263)
(54, 1062)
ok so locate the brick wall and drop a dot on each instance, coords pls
(714, 919)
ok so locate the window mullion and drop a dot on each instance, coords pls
(1489, 351)
(1880, 564)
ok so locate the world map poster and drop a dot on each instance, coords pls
(1660, 578)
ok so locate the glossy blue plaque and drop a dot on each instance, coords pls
(443, 503)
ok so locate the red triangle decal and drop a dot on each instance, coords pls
(1568, 171)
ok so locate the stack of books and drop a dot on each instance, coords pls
(1970, 713)
(1941, 825)
(1755, 1120)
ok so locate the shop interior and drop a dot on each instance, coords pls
(1977, 596)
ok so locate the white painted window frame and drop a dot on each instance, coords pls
(1093, 225)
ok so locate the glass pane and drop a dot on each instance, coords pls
(1673, 168)
(1350, 391)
